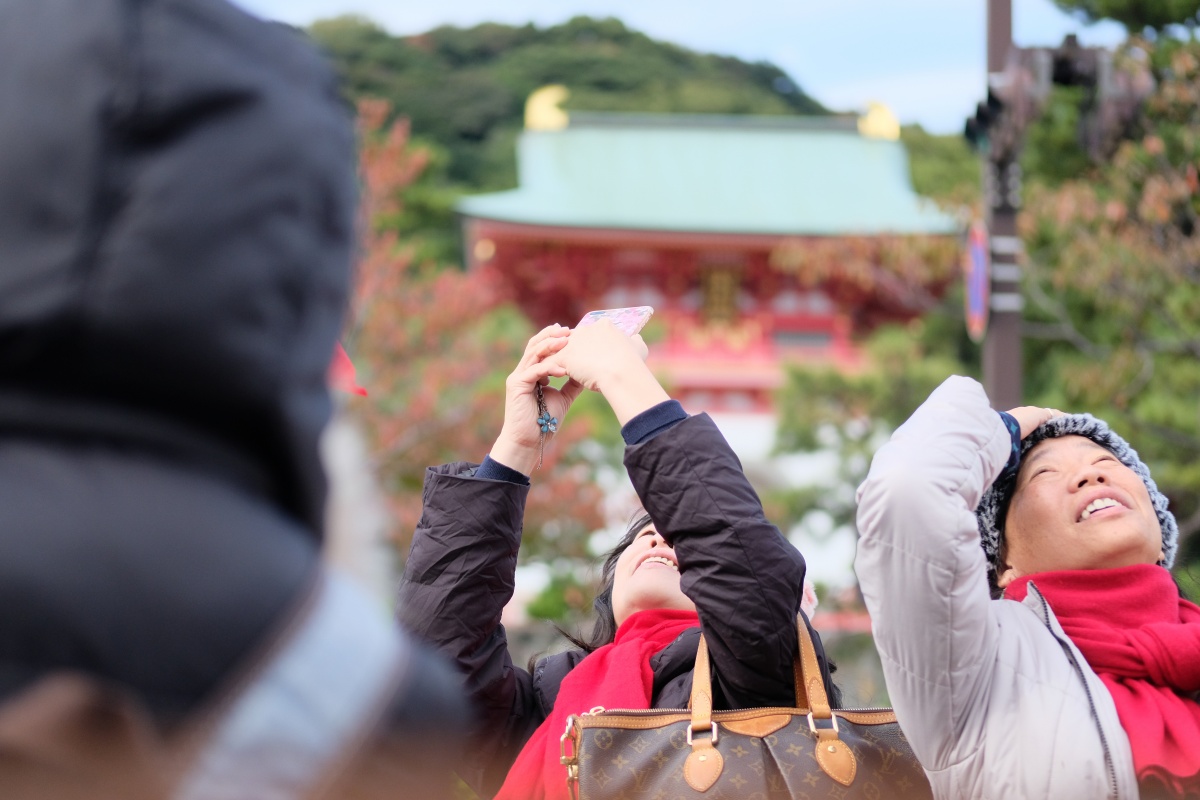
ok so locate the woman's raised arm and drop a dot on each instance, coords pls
(919, 562)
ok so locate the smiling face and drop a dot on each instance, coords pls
(647, 577)
(1075, 506)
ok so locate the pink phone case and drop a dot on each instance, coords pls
(631, 320)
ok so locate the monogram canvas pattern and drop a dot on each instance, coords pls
(646, 763)
(802, 753)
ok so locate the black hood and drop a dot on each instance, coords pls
(177, 195)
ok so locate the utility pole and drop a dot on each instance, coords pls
(1019, 84)
(1002, 362)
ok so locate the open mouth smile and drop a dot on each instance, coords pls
(1099, 504)
(661, 561)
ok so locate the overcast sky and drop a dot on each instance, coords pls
(925, 59)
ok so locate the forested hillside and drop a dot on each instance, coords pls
(465, 89)
(464, 92)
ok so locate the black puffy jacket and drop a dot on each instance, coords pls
(177, 202)
(745, 578)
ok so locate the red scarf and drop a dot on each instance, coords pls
(1143, 640)
(617, 675)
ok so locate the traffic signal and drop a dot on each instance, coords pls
(1017, 95)
(978, 130)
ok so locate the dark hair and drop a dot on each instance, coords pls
(604, 630)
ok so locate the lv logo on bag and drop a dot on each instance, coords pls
(810, 751)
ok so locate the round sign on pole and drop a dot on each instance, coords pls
(977, 279)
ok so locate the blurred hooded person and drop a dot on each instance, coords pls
(177, 204)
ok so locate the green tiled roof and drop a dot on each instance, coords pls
(738, 175)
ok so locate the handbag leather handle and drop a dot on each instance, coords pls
(701, 698)
(704, 764)
(810, 685)
(806, 673)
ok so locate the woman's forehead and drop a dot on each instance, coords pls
(1071, 441)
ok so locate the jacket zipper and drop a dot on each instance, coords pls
(1108, 762)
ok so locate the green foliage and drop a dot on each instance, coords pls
(465, 88)
(1136, 15)
(1113, 280)
(364, 53)
(1112, 284)
(906, 368)
(606, 66)
(464, 91)
(565, 599)
(851, 413)
(1053, 152)
(434, 347)
(942, 167)
(424, 218)
(1188, 579)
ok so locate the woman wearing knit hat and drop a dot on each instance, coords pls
(1057, 659)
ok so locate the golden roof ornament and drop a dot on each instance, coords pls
(879, 123)
(542, 109)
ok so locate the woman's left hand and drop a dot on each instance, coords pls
(597, 354)
(1030, 417)
(520, 441)
(605, 359)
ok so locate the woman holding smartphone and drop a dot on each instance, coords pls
(703, 557)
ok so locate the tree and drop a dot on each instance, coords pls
(1053, 151)
(465, 88)
(1113, 279)
(942, 167)
(850, 414)
(1137, 16)
(1112, 322)
(433, 346)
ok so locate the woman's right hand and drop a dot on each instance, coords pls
(520, 441)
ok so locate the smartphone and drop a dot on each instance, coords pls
(631, 320)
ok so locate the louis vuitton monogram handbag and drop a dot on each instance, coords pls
(810, 751)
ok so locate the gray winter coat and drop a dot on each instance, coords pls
(995, 699)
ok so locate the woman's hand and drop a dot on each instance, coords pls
(605, 359)
(1030, 417)
(596, 353)
(519, 444)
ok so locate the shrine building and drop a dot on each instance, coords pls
(758, 240)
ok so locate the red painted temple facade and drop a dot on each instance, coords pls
(732, 306)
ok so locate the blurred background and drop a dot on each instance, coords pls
(791, 187)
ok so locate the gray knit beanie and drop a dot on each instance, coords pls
(994, 505)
